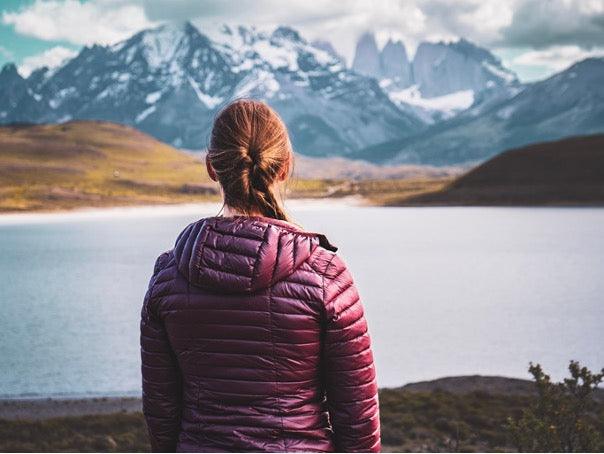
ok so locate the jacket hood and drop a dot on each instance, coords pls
(242, 254)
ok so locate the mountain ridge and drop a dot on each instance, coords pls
(442, 79)
(569, 103)
(171, 80)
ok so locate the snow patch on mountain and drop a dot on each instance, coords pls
(209, 101)
(500, 72)
(152, 98)
(506, 112)
(328, 47)
(258, 83)
(448, 105)
(61, 96)
(277, 57)
(160, 45)
(145, 113)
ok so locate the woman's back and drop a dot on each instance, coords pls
(252, 334)
(254, 339)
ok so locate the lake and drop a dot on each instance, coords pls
(447, 291)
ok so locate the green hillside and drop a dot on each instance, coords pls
(88, 163)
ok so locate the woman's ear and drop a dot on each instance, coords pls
(285, 173)
(210, 169)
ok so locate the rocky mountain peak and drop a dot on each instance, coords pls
(394, 63)
(287, 33)
(367, 56)
(328, 47)
(9, 72)
(444, 68)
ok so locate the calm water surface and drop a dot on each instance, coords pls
(447, 291)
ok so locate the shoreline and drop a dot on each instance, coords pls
(154, 210)
(418, 417)
(212, 208)
(41, 408)
(46, 407)
(36, 409)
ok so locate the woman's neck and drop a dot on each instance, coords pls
(229, 212)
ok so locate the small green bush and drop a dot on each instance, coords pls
(562, 419)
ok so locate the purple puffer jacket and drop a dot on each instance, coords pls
(253, 339)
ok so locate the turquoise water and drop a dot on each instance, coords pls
(447, 291)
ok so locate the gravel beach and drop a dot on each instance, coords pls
(44, 408)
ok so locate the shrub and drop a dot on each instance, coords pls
(562, 417)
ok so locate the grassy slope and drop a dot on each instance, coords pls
(565, 172)
(411, 421)
(93, 164)
(87, 164)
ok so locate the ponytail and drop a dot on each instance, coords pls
(250, 151)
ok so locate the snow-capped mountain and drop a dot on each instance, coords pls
(170, 82)
(442, 80)
(328, 47)
(329, 109)
(13, 89)
(444, 68)
(454, 103)
(569, 103)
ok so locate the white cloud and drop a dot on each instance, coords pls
(52, 58)
(97, 21)
(516, 23)
(6, 53)
(343, 21)
(547, 28)
(480, 21)
(556, 58)
(543, 24)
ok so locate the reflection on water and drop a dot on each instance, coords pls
(447, 291)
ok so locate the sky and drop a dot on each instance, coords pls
(535, 38)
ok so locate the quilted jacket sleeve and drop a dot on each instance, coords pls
(348, 365)
(161, 376)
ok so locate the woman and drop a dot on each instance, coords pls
(252, 334)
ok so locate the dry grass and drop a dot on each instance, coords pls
(374, 192)
(93, 164)
(96, 164)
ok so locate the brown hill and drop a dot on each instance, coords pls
(565, 172)
(91, 163)
(94, 163)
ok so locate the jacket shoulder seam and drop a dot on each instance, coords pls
(333, 256)
(315, 256)
(322, 271)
